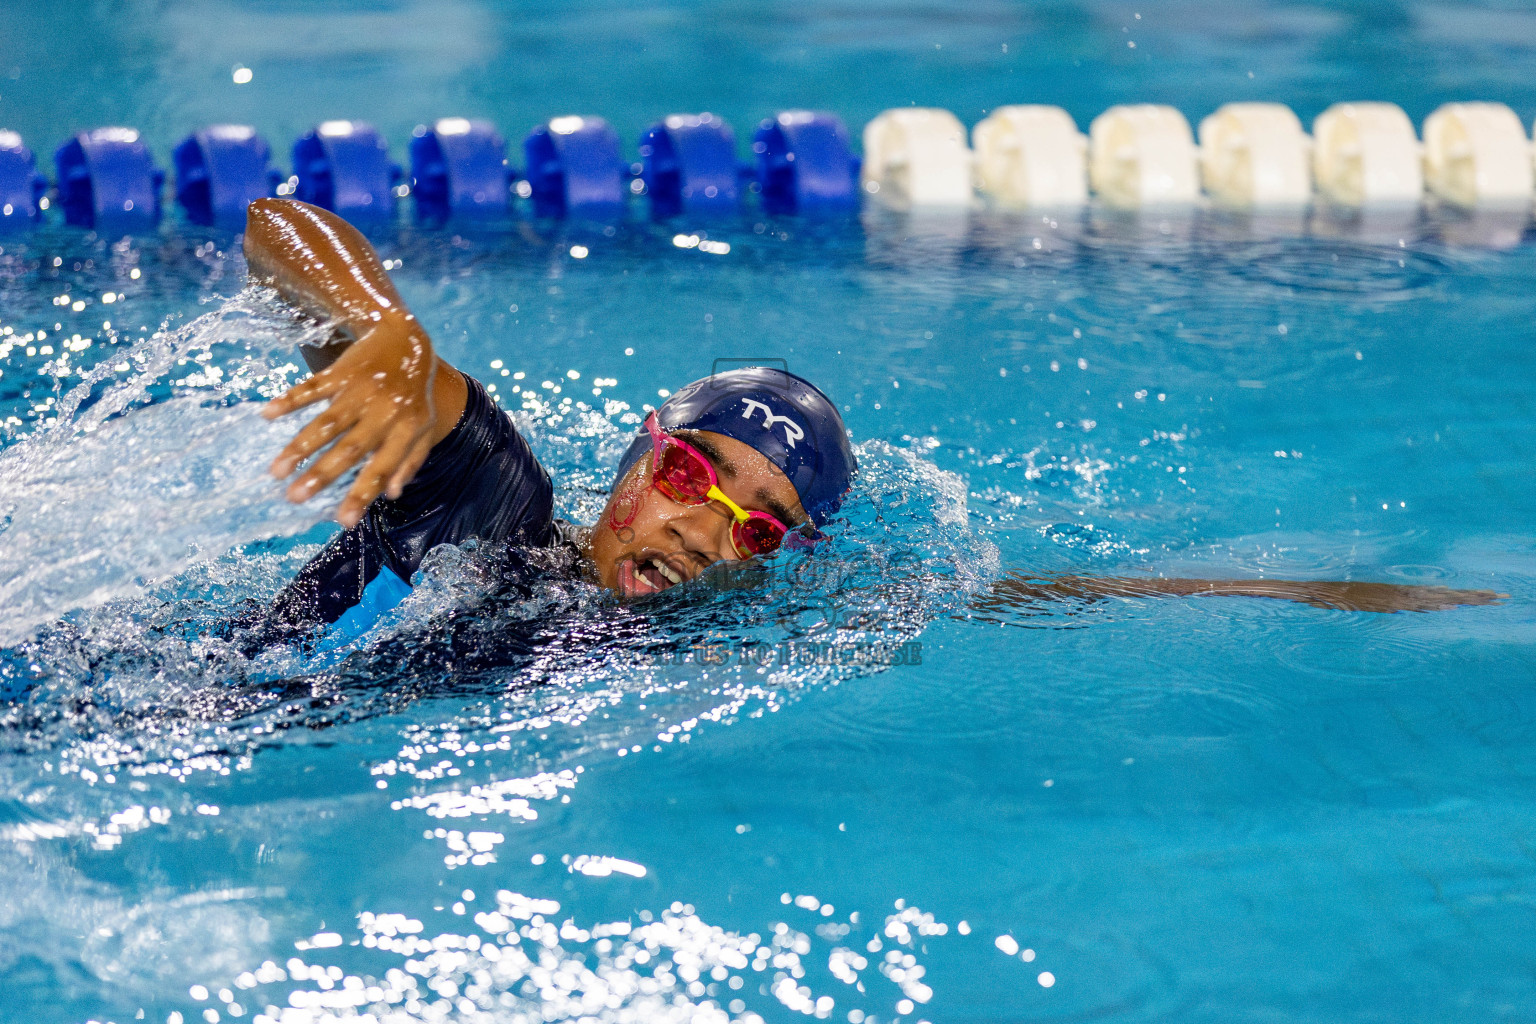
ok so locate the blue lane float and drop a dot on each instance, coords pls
(575, 169)
(219, 171)
(689, 164)
(805, 163)
(21, 187)
(459, 169)
(344, 166)
(107, 178)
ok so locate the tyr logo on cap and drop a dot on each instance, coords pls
(792, 431)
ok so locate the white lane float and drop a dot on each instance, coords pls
(1143, 155)
(1477, 154)
(1366, 154)
(1255, 155)
(917, 156)
(1031, 155)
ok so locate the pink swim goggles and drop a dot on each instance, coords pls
(684, 474)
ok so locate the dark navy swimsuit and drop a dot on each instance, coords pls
(480, 481)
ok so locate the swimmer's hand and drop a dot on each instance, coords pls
(391, 397)
(381, 409)
(1017, 590)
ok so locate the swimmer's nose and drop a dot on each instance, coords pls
(702, 534)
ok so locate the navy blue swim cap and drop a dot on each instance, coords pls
(785, 417)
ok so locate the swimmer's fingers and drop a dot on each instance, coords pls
(350, 448)
(1434, 599)
(305, 393)
(1392, 597)
(397, 459)
(419, 450)
(317, 433)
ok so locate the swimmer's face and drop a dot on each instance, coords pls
(646, 542)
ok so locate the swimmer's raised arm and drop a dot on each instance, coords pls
(1016, 591)
(391, 397)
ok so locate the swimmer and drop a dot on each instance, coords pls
(730, 467)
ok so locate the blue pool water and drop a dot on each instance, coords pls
(835, 792)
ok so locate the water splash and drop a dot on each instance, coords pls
(152, 462)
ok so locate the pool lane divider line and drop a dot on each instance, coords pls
(1247, 156)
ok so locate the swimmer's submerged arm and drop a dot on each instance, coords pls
(1017, 591)
(391, 397)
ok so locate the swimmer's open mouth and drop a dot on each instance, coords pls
(649, 574)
